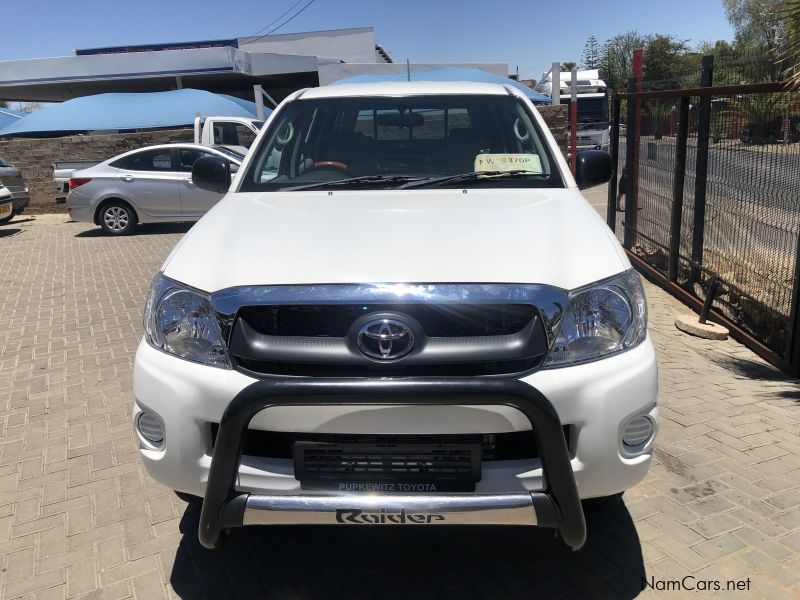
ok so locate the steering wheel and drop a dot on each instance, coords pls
(330, 164)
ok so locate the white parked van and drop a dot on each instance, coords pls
(403, 312)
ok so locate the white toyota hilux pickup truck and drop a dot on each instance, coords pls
(403, 312)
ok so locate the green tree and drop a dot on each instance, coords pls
(568, 65)
(590, 58)
(756, 21)
(790, 59)
(759, 113)
(663, 61)
(616, 59)
(760, 36)
(731, 59)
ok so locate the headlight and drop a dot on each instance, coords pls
(600, 319)
(180, 321)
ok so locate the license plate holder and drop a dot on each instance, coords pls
(390, 467)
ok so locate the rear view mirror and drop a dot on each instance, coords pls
(212, 173)
(400, 119)
(593, 168)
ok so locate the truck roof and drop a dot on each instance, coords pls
(404, 88)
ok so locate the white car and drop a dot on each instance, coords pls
(411, 317)
(148, 185)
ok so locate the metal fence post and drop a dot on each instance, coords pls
(611, 209)
(793, 339)
(677, 189)
(701, 168)
(633, 172)
(630, 159)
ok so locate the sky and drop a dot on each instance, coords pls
(529, 34)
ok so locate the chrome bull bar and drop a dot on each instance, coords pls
(557, 507)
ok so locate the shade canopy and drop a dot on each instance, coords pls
(125, 112)
(449, 74)
(8, 116)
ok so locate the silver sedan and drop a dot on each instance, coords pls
(149, 185)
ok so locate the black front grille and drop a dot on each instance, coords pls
(516, 445)
(438, 320)
(319, 340)
(445, 466)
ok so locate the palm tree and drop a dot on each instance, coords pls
(758, 113)
(658, 111)
(790, 10)
(568, 65)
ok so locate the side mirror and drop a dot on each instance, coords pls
(593, 168)
(212, 173)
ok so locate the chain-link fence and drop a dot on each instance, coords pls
(712, 192)
(731, 67)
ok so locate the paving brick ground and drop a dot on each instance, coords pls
(80, 519)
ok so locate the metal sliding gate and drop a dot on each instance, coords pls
(706, 199)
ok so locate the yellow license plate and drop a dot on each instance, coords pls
(5, 209)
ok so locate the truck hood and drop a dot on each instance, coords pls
(398, 236)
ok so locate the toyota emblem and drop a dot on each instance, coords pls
(385, 339)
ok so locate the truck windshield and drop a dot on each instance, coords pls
(592, 112)
(385, 142)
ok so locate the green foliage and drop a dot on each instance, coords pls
(758, 111)
(756, 22)
(766, 48)
(665, 60)
(658, 111)
(590, 58)
(790, 57)
(761, 38)
(616, 59)
(568, 65)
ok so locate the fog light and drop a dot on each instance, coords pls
(637, 431)
(150, 427)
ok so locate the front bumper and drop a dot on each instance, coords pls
(558, 506)
(595, 400)
(21, 199)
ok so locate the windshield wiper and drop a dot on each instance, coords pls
(359, 181)
(471, 176)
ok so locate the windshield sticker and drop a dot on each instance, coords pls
(530, 163)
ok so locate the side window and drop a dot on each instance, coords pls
(187, 158)
(147, 160)
(245, 135)
(233, 134)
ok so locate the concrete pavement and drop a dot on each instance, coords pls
(80, 519)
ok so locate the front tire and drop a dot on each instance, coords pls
(117, 218)
(603, 501)
(190, 499)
